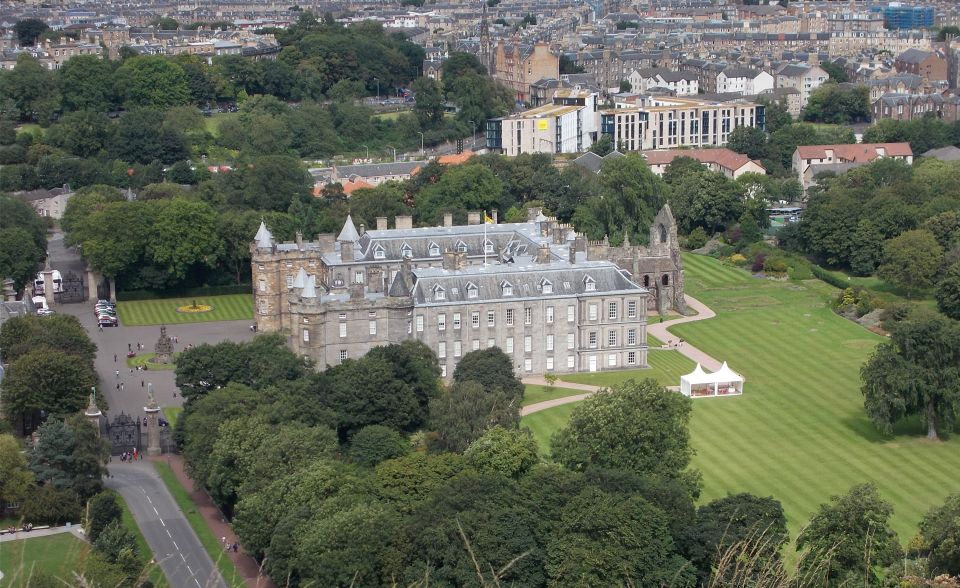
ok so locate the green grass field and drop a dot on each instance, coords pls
(799, 432)
(212, 123)
(666, 367)
(164, 312)
(55, 555)
(206, 536)
(144, 359)
(533, 393)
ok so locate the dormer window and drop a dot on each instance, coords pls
(439, 293)
(506, 288)
(434, 249)
(378, 251)
(406, 250)
(472, 291)
(488, 246)
(546, 286)
(589, 284)
(461, 247)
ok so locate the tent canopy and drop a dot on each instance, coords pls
(706, 384)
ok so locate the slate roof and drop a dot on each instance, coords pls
(593, 162)
(862, 152)
(948, 153)
(368, 170)
(792, 71)
(722, 157)
(914, 56)
(526, 280)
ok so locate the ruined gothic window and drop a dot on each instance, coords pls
(666, 279)
(663, 235)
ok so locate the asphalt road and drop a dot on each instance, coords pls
(174, 544)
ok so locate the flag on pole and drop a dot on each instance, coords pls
(487, 219)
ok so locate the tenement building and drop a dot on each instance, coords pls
(550, 299)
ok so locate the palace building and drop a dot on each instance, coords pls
(550, 299)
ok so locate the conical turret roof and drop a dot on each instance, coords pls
(348, 232)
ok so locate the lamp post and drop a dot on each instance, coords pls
(368, 151)
(394, 152)
(377, 80)
(421, 143)
(474, 142)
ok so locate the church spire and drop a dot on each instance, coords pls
(486, 54)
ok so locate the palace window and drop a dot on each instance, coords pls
(439, 293)
(434, 249)
(457, 349)
(549, 342)
(570, 313)
(442, 349)
(472, 291)
(589, 284)
(343, 330)
(378, 252)
(549, 315)
(592, 312)
(506, 288)
(419, 323)
(612, 339)
(306, 336)
(491, 318)
(406, 250)
(509, 344)
(528, 316)
(632, 309)
(475, 319)
(461, 247)
(546, 286)
(456, 320)
(343, 354)
(528, 343)
(373, 327)
(441, 322)
(631, 337)
(612, 311)
(509, 314)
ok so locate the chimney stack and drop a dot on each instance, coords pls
(543, 253)
(356, 291)
(473, 218)
(494, 214)
(448, 219)
(454, 260)
(299, 238)
(573, 254)
(404, 222)
(363, 229)
(381, 223)
(346, 251)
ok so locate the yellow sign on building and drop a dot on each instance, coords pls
(542, 124)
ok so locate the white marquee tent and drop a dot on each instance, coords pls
(723, 382)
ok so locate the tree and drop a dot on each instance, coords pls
(948, 32)
(777, 116)
(49, 505)
(837, 73)
(86, 83)
(492, 369)
(32, 88)
(831, 104)
(70, 456)
(48, 380)
(568, 66)
(17, 480)
(464, 187)
(507, 452)
(868, 250)
(612, 540)
(915, 372)
(23, 334)
(429, 105)
(117, 545)
(183, 235)
(407, 481)
(750, 141)
(376, 443)
(28, 29)
(940, 537)
(911, 260)
(102, 510)
(637, 426)
(19, 256)
(84, 133)
(850, 539)
(602, 146)
(626, 86)
(151, 81)
(706, 199)
(467, 410)
(739, 521)
(948, 292)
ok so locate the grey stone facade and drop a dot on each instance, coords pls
(551, 300)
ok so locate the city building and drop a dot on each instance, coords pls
(743, 80)
(550, 299)
(912, 106)
(809, 160)
(929, 65)
(803, 78)
(720, 159)
(568, 125)
(517, 66)
(664, 123)
(898, 16)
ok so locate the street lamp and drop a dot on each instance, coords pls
(394, 152)
(368, 151)
(377, 80)
(474, 143)
(421, 143)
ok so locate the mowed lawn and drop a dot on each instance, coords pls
(56, 555)
(799, 432)
(164, 312)
(666, 367)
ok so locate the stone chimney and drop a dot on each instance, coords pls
(573, 253)
(346, 251)
(356, 291)
(473, 218)
(559, 234)
(494, 215)
(363, 229)
(543, 253)
(404, 222)
(448, 219)
(532, 214)
(381, 223)
(299, 238)
(454, 260)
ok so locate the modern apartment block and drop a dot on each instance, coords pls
(568, 125)
(550, 299)
(668, 123)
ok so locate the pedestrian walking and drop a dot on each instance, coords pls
(141, 384)
(129, 347)
(114, 358)
(118, 374)
(121, 386)
(118, 386)
(99, 326)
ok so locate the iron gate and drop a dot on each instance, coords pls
(71, 289)
(124, 434)
(103, 289)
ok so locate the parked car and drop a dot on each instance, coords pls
(107, 321)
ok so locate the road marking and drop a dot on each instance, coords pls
(182, 557)
(148, 499)
(177, 546)
(168, 534)
(189, 570)
(163, 523)
(156, 511)
(197, 581)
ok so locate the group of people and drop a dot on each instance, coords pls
(131, 455)
(227, 546)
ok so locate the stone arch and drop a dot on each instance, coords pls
(646, 281)
(663, 234)
(665, 280)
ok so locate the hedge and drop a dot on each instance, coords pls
(184, 292)
(829, 277)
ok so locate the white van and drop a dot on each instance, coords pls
(57, 283)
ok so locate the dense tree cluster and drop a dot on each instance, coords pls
(50, 368)
(890, 218)
(23, 241)
(831, 103)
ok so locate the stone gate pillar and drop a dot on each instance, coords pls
(48, 286)
(93, 280)
(93, 413)
(153, 425)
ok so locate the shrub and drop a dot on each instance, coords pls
(375, 443)
(133, 295)
(102, 510)
(758, 262)
(893, 314)
(738, 259)
(696, 239)
(828, 277)
(724, 251)
(775, 265)
(47, 505)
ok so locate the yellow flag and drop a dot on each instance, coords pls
(487, 219)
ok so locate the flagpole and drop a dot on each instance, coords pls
(484, 219)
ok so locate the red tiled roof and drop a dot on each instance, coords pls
(862, 152)
(723, 157)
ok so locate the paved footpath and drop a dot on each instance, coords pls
(658, 330)
(75, 530)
